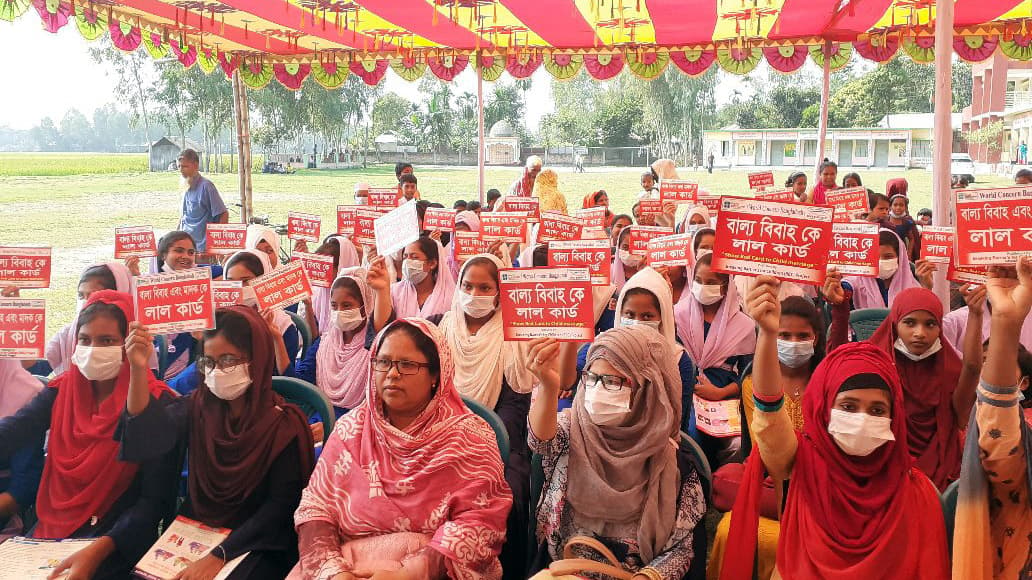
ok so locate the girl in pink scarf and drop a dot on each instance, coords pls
(345, 256)
(894, 276)
(423, 276)
(410, 481)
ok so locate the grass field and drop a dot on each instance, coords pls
(73, 202)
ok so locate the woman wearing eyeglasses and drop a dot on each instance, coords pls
(410, 483)
(611, 465)
(250, 452)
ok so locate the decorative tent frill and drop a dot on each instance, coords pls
(289, 40)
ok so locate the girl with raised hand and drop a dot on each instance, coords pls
(427, 286)
(894, 276)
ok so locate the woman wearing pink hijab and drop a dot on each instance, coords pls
(894, 276)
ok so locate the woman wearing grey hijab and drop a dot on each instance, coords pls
(611, 462)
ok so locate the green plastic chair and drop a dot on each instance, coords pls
(306, 332)
(949, 509)
(501, 435)
(865, 321)
(161, 346)
(705, 471)
(309, 398)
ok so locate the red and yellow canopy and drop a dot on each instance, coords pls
(330, 39)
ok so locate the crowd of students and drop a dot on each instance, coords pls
(845, 448)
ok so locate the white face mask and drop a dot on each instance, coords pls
(897, 216)
(628, 259)
(631, 322)
(607, 407)
(228, 385)
(79, 305)
(248, 297)
(902, 348)
(859, 434)
(702, 252)
(348, 320)
(707, 294)
(794, 354)
(477, 306)
(413, 270)
(98, 363)
(887, 268)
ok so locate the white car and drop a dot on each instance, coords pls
(962, 165)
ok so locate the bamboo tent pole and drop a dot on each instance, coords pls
(942, 132)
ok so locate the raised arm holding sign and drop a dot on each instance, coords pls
(547, 303)
(180, 301)
(994, 226)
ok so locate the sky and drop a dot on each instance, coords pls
(55, 73)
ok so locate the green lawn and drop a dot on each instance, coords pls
(73, 202)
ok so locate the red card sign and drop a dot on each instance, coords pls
(499, 226)
(25, 267)
(547, 303)
(346, 219)
(318, 267)
(556, 227)
(994, 226)
(225, 238)
(850, 204)
(135, 242)
(854, 249)
(711, 203)
(23, 328)
(782, 196)
(593, 217)
(227, 293)
(787, 240)
(438, 218)
(678, 190)
(640, 236)
(650, 207)
(467, 245)
(965, 275)
(670, 250)
(303, 226)
(596, 255)
(528, 205)
(180, 301)
(365, 225)
(383, 196)
(761, 181)
(282, 287)
(937, 244)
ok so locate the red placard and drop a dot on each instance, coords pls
(135, 242)
(711, 203)
(596, 255)
(854, 249)
(640, 236)
(547, 303)
(786, 196)
(670, 250)
(438, 218)
(23, 328)
(761, 180)
(227, 293)
(503, 226)
(556, 227)
(346, 219)
(365, 224)
(225, 238)
(994, 226)
(850, 204)
(180, 301)
(768, 238)
(383, 196)
(678, 191)
(303, 226)
(650, 207)
(937, 244)
(282, 287)
(593, 217)
(966, 275)
(467, 245)
(318, 267)
(528, 205)
(25, 267)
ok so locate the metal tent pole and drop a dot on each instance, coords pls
(481, 153)
(942, 132)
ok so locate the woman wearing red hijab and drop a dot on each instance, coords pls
(938, 389)
(599, 199)
(88, 490)
(856, 507)
(250, 453)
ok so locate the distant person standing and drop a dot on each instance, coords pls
(525, 184)
(578, 163)
(1023, 153)
(202, 204)
(709, 162)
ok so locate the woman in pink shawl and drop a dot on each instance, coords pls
(411, 481)
(465, 221)
(20, 474)
(720, 340)
(426, 287)
(345, 255)
(894, 276)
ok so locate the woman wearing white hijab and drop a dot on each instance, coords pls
(345, 255)
(427, 285)
(264, 239)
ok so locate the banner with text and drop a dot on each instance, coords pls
(227, 293)
(318, 267)
(439, 219)
(396, 229)
(640, 236)
(346, 219)
(678, 191)
(782, 196)
(718, 418)
(180, 301)
(854, 249)
(303, 226)
(937, 244)
(556, 227)
(467, 245)
(225, 238)
(670, 250)
(135, 242)
(593, 217)
(547, 303)
(850, 204)
(994, 226)
(503, 226)
(595, 255)
(528, 205)
(650, 208)
(383, 196)
(761, 181)
(282, 287)
(23, 328)
(25, 267)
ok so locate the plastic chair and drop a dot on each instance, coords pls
(701, 463)
(161, 346)
(949, 509)
(309, 398)
(501, 434)
(306, 332)
(865, 321)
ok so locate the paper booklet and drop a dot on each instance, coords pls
(31, 559)
(184, 542)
